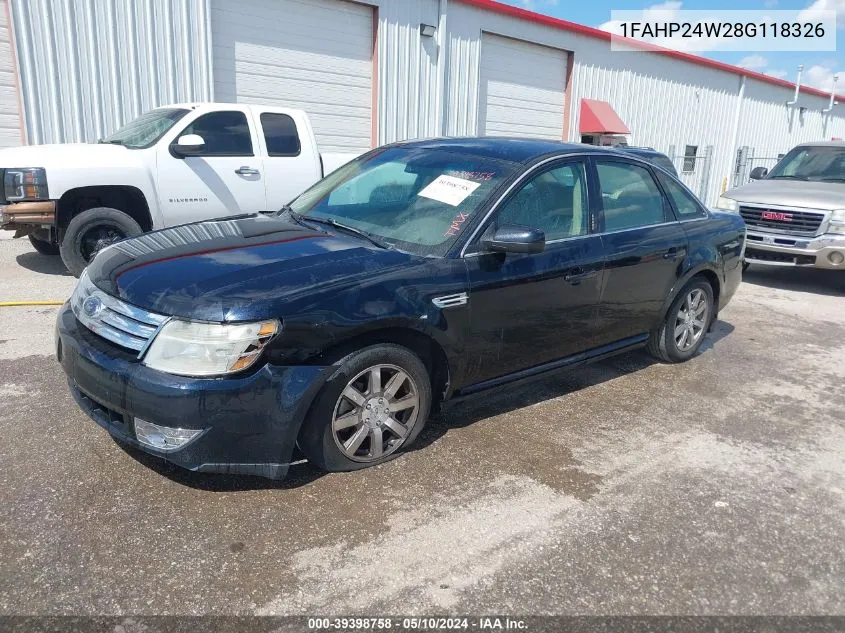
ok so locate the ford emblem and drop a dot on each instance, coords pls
(92, 306)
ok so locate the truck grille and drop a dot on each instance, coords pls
(802, 222)
(114, 320)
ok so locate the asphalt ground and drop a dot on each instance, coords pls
(625, 487)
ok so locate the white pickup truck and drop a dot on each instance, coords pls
(175, 164)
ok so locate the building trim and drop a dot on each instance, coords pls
(374, 114)
(567, 95)
(589, 31)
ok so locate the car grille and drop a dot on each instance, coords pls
(115, 320)
(803, 222)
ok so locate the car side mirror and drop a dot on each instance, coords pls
(188, 145)
(515, 239)
(758, 173)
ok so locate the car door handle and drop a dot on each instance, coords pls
(247, 171)
(578, 275)
(674, 253)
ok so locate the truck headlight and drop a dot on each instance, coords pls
(837, 222)
(208, 349)
(27, 183)
(727, 204)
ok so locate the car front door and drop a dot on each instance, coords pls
(530, 309)
(644, 248)
(225, 178)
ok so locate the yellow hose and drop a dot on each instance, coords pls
(10, 304)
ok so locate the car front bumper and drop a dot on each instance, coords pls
(824, 251)
(249, 423)
(24, 217)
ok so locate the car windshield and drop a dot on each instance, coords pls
(419, 200)
(812, 163)
(146, 129)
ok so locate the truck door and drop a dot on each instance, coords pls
(225, 178)
(291, 161)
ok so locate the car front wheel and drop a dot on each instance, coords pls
(374, 404)
(683, 330)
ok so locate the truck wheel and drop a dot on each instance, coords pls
(45, 248)
(90, 232)
(685, 326)
(373, 405)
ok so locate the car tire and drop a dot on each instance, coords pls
(340, 433)
(678, 338)
(91, 231)
(43, 247)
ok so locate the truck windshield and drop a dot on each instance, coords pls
(820, 163)
(419, 200)
(146, 129)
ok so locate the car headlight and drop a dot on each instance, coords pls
(208, 349)
(837, 222)
(727, 204)
(28, 183)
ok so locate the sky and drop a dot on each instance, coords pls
(819, 67)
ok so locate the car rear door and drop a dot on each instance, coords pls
(529, 309)
(644, 247)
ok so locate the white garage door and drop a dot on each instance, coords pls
(522, 88)
(10, 120)
(316, 55)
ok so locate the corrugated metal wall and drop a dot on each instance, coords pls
(88, 66)
(10, 118)
(769, 126)
(407, 61)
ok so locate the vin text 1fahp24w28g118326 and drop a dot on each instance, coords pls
(420, 272)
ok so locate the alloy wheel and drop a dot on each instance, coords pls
(691, 320)
(375, 413)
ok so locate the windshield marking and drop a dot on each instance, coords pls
(457, 225)
(449, 190)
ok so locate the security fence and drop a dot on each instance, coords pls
(693, 164)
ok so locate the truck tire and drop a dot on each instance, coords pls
(91, 231)
(45, 248)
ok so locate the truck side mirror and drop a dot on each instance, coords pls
(188, 145)
(758, 172)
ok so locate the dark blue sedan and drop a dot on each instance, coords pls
(419, 273)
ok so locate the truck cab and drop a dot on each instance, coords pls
(173, 165)
(795, 213)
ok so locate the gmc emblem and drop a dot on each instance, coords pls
(776, 215)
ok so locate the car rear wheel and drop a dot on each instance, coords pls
(43, 247)
(683, 330)
(374, 405)
(90, 232)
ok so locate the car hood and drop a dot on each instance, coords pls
(805, 194)
(236, 269)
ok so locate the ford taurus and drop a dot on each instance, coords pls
(419, 273)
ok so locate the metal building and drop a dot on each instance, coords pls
(375, 71)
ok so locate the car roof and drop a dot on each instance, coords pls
(514, 149)
(840, 144)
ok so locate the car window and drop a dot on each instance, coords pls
(686, 206)
(384, 184)
(629, 195)
(280, 134)
(420, 199)
(225, 133)
(554, 201)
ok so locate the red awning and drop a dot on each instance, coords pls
(598, 117)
